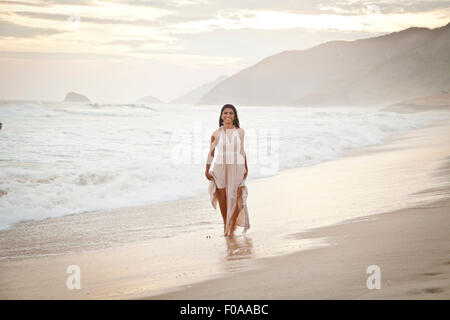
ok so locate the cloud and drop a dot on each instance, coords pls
(47, 3)
(23, 3)
(160, 4)
(63, 17)
(386, 7)
(61, 56)
(187, 11)
(133, 43)
(10, 29)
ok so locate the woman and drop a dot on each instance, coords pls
(227, 179)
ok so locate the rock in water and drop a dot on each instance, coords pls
(76, 97)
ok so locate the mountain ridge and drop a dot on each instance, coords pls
(342, 72)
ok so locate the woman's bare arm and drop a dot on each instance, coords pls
(210, 157)
(242, 151)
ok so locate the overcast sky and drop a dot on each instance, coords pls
(120, 51)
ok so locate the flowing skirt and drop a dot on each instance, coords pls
(231, 177)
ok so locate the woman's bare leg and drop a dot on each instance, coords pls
(235, 213)
(222, 197)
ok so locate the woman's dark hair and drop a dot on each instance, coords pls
(236, 118)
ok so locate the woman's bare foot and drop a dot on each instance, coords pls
(232, 229)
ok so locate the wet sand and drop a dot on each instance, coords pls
(411, 247)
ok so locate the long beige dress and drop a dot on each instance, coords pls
(228, 172)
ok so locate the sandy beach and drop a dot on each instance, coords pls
(394, 199)
(410, 246)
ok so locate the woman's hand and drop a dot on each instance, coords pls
(245, 174)
(208, 175)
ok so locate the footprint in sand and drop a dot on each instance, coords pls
(433, 290)
(426, 290)
(431, 273)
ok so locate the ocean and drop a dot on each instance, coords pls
(59, 158)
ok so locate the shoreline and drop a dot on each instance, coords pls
(121, 269)
(12, 225)
(190, 198)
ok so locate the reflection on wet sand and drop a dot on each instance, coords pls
(237, 248)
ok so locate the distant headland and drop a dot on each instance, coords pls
(75, 97)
